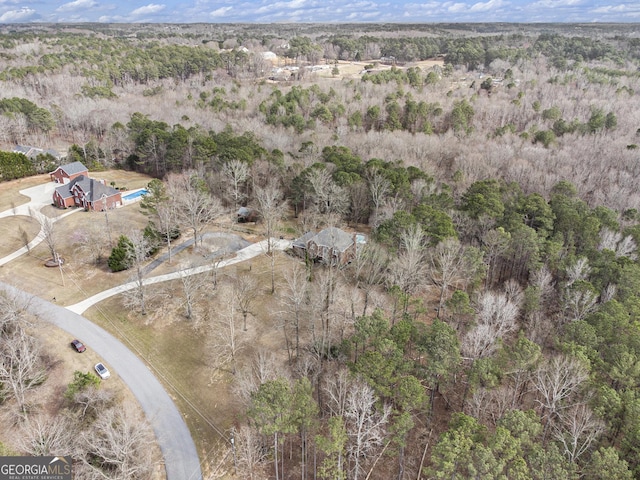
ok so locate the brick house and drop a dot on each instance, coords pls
(88, 193)
(66, 173)
(330, 246)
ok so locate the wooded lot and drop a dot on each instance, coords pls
(490, 325)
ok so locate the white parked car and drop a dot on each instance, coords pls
(102, 371)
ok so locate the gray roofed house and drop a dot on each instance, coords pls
(88, 193)
(66, 173)
(33, 152)
(299, 245)
(331, 246)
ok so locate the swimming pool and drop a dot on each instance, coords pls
(137, 194)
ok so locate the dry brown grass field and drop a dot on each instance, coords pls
(354, 69)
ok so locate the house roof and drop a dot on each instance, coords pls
(302, 241)
(93, 189)
(72, 168)
(33, 152)
(65, 190)
(333, 237)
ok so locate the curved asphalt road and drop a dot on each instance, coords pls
(179, 452)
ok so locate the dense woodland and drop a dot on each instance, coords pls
(491, 326)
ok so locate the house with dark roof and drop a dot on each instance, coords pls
(88, 193)
(33, 152)
(331, 246)
(66, 173)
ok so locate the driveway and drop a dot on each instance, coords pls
(179, 452)
(253, 250)
(41, 196)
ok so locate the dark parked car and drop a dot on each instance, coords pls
(77, 344)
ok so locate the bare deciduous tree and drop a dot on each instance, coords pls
(578, 302)
(379, 187)
(249, 453)
(45, 436)
(91, 242)
(407, 269)
(578, 271)
(264, 367)
(490, 405)
(119, 444)
(166, 219)
(496, 317)
(225, 340)
(576, 430)
(13, 314)
(370, 268)
(451, 264)
(48, 232)
(245, 292)
(272, 207)
(328, 196)
(236, 172)
(335, 388)
(366, 425)
(558, 381)
(192, 287)
(93, 400)
(137, 254)
(295, 296)
(21, 367)
(195, 207)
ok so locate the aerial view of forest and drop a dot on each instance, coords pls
(445, 220)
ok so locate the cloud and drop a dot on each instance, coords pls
(220, 12)
(457, 7)
(486, 6)
(76, 5)
(22, 15)
(147, 9)
(555, 3)
(617, 9)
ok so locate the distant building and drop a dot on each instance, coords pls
(33, 152)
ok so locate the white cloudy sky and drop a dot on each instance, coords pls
(264, 11)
